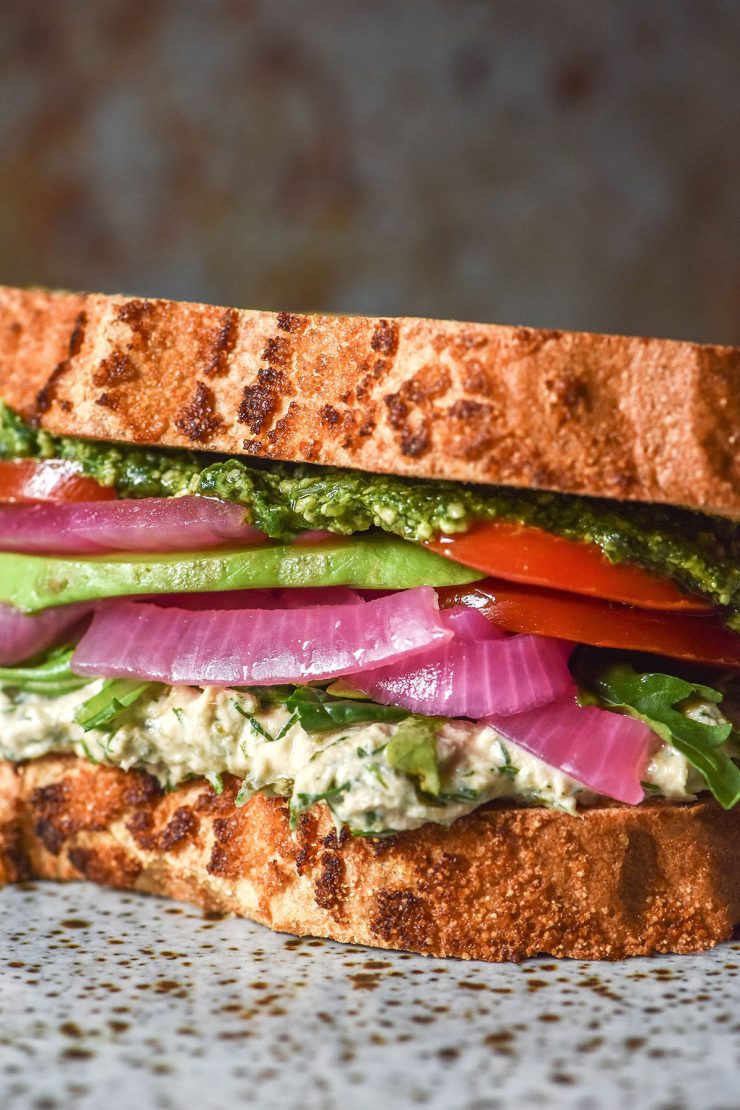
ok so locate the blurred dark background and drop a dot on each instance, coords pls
(572, 164)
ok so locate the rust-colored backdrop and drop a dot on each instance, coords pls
(571, 164)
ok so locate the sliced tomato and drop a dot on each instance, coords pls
(28, 480)
(517, 608)
(520, 553)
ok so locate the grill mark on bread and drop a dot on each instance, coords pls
(385, 338)
(216, 353)
(77, 335)
(415, 444)
(261, 400)
(181, 827)
(111, 866)
(116, 369)
(277, 351)
(108, 401)
(17, 864)
(288, 321)
(330, 890)
(198, 420)
(46, 396)
(138, 315)
(402, 920)
(257, 405)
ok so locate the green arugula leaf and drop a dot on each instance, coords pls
(215, 781)
(413, 750)
(302, 802)
(267, 695)
(318, 711)
(656, 699)
(103, 709)
(51, 675)
(246, 791)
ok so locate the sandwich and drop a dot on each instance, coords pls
(409, 633)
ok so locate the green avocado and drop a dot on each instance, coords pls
(32, 583)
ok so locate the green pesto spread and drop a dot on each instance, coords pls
(699, 552)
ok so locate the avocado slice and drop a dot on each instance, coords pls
(32, 583)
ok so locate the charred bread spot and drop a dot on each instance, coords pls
(428, 384)
(328, 415)
(398, 410)
(77, 336)
(258, 405)
(379, 845)
(287, 321)
(224, 859)
(568, 394)
(330, 890)
(306, 837)
(472, 340)
(402, 920)
(138, 315)
(216, 354)
(109, 866)
(141, 827)
(277, 352)
(108, 401)
(47, 395)
(414, 444)
(282, 426)
(134, 312)
(468, 410)
(472, 428)
(85, 799)
(385, 338)
(16, 864)
(367, 427)
(199, 420)
(252, 447)
(475, 379)
(529, 340)
(141, 789)
(182, 826)
(334, 841)
(116, 369)
(260, 402)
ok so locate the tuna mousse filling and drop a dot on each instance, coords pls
(297, 643)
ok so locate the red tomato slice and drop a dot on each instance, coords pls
(28, 480)
(516, 608)
(519, 553)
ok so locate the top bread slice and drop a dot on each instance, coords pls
(602, 415)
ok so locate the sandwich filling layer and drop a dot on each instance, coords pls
(401, 650)
(360, 771)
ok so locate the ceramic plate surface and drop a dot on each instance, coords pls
(110, 1001)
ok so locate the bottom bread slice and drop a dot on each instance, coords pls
(503, 883)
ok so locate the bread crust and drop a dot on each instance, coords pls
(503, 883)
(612, 416)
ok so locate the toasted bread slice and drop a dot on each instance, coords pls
(608, 416)
(501, 884)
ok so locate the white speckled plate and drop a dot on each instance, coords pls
(113, 1001)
